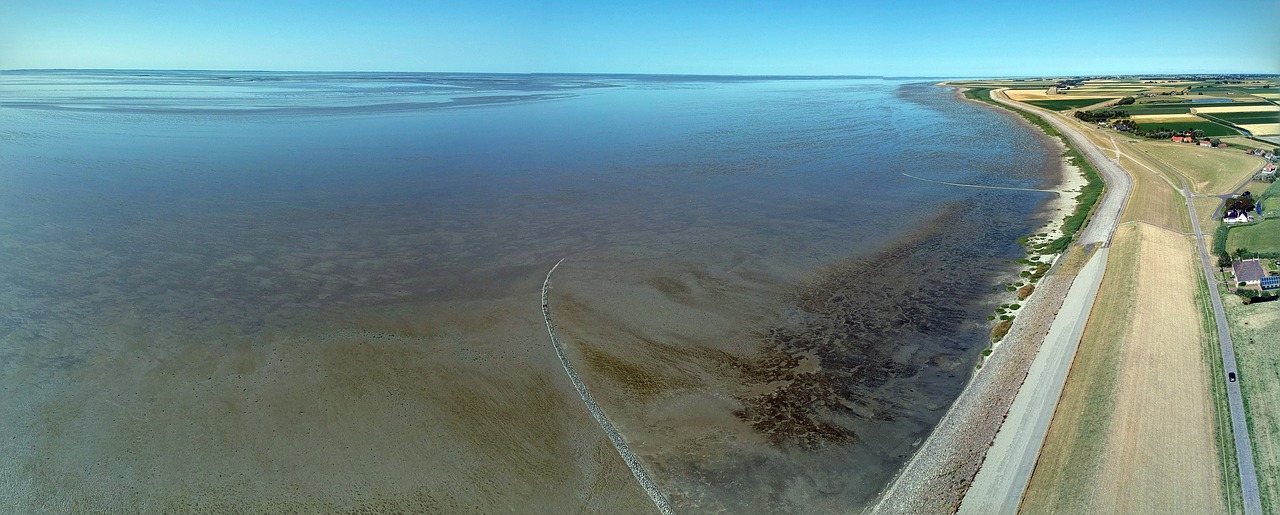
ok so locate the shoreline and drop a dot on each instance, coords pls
(940, 471)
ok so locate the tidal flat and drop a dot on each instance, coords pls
(257, 292)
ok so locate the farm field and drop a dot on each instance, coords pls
(1140, 371)
(1062, 105)
(1263, 129)
(1259, 374)
(1139, 109)
(1210, 129)
(1027, 95)
(1260, 237)
(1250, 118)
(1239, 108)
(1246, 142)
(1165, 118)
(1210, 170)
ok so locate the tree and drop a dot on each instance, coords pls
(1241, 253)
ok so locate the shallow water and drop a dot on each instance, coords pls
(200, 219)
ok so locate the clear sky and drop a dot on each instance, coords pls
(902, 37)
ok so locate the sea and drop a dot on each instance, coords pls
(762, 285)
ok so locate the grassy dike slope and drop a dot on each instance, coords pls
(1135, 427)
(1139, 426)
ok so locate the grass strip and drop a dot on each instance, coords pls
(1223, 436)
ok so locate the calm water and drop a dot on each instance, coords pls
(158, 212)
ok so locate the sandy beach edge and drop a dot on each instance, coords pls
(939, 473)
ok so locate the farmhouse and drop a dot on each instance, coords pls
(1206, 143)
(1236, 216)
(1176, 139)
(1248, 271)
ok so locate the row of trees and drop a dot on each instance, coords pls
(1101, 116)
(1123, 122)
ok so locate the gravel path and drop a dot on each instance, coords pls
(633, 462)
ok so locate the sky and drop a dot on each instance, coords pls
(850, 37)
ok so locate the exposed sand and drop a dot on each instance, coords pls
(405, 414)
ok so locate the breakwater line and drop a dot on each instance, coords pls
(633, 462)
(978, 185)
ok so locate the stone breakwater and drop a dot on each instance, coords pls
(633, 462)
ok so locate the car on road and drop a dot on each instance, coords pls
(1231, 376)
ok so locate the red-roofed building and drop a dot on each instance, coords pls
(1206, 143)
(1176, 139)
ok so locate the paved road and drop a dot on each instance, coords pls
(1007, 468)
(1239, 424)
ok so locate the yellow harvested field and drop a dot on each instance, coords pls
(1209, 170)
(1267, 95)
(1154, 200)
(1262, 129)
(1237, 109)
(1166, 118)
(1023, 95)
(1134, 430)
(1161, 444)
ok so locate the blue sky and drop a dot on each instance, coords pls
(905, 37)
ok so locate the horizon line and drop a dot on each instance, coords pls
(641, 74)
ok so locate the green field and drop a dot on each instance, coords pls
(1210, 129)
(1180, 107)
(1263, 238)
(1248, 118)
(1157, 109)
(1062, 105)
